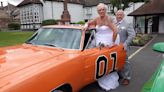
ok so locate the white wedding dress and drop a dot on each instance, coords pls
(109, 81)
(104, 35)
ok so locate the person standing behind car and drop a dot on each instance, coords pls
(126, 33)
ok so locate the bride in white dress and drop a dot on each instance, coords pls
(103, 24)
(106, 34)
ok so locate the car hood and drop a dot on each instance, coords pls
(13, 59)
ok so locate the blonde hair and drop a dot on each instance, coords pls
(101, 6)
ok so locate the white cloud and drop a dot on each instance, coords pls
(14, 2)
(4, 2)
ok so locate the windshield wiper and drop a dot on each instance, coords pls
(53, 45)
(28, 42)
(49, 44)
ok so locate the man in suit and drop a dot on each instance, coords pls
(127, 33)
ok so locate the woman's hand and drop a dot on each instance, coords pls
(85, 27)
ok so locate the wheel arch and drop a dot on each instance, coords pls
(64, 87)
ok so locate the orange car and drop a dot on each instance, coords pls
(57, 58)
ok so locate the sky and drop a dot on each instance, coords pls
(14, 2)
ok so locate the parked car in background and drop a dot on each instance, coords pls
(57, 58)
(156, 83)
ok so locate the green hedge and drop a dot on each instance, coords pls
(14, 26)
(80, 22)
(49, 22)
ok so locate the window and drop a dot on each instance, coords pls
(57, 37)
(88, 10)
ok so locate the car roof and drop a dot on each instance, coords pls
(64, 26)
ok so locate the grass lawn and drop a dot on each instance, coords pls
(13, 38)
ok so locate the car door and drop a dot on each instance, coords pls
(98, 61)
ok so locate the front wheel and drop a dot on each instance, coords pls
(64, 88)
(58, 91)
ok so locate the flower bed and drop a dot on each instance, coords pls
(141, 39)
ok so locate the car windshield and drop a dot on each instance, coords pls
(57, 37)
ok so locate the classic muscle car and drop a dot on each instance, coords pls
(57, 58)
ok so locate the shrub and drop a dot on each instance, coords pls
(81, 22)
(141, 39)
(14, 26)
(49, 22)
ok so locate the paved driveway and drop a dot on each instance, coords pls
(144, 61)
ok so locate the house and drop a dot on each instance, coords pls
(4, 19)
(13, 12)
(9, 13)
(33, 12)
(153, 14)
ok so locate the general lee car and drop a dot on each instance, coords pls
(57, 58)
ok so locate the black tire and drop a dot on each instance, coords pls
(65, 88)
(58, 90)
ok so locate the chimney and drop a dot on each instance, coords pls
(2, 4)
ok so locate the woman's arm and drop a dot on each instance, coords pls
(113, 28)
(90, 23)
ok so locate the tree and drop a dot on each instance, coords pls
(122, 4)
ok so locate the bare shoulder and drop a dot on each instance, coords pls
(109, 18)
(93, 21)
(97, 19)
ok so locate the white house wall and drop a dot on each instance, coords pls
(88, 13)
(47, 10)
(57, 10)
(94, 12)
(76, 12)
(54, 10)
(161, 24)
(133, 6)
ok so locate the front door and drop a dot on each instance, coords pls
(155, 25)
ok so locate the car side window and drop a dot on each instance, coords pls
(89, 41)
